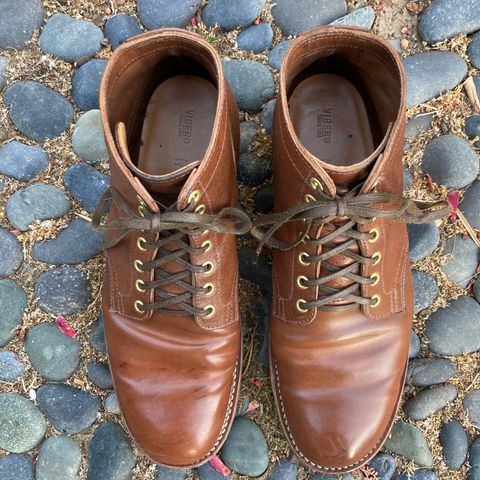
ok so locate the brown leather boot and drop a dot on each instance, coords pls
(342, 304)
(170, 292)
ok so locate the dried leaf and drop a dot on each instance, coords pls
(430, 182)
(472, 93)
(219, 466)
(253, 406)
(255, 381)
(194, 21)
(16, 232)
(453, 198)
(369, 473)
(64, 326)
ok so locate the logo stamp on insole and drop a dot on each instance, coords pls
(185, 126)
(324, 125)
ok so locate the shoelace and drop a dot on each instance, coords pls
(348, 210)
(174, 228)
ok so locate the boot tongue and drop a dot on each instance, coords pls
(169, 185)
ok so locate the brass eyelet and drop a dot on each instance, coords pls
(194, 196)
(209, 268)
(138, 264)
(375, 233)
(301, 282)
(377, 256)
(138, 306)
(376, 301)
(306, 238)
(315, 184)
(211, 310)
(139, 285)
(141, 242)
(310, 198)
(200, 209)
(375, 277)
(207, 246)
(210, 289)
(301, 308)
(302, 258)
(141, 210)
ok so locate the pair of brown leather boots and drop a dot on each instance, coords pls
(342, 303)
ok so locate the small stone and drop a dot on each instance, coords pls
(407, 179)
(207, 472)
(165, 473)
(431, 73)
(253, 170)
(465, 256)
(16, 466)
(18, 20)
(423, 240)
(277, 53)
(447, 18)
(36, 202)
(37, 111)
(11, 368)
(454, 441)
(256, 38)
(53, 354)
(97, 336)
(63, 291)
(408, 441)
(428, 401)
(360, 18)
(418, 125)
(284, 470)
(267, 116)
(59, 459)
(473, 51)
(22, 162)
(111, 404)
(472, 126)
(166, 13)
(248, 130)
(86, 185)
(451, 161)
(58, 251)
(263, 199)
(245, 451)
(99, 374)
(86, 84)
(470, 204)
(22, 425)
(471, 403)
(229, 15)
(474, 460)
(384, 464)
(251, 81)
(88, 140)
(425, 290)
(3, 72)
(415, 345)
(120, 28)
(422, 474)
(69, 38)
(294, 18)
(259, 273)
(13, 302)
(59, 401)
(423, 372)
(110, 455)
(455, 330)
(11, 253)
(476, 289)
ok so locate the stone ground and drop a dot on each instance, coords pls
(77, 360)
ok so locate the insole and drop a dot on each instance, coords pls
(178, 124)
(331, 121)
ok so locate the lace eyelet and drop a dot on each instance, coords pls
(141, 210)
(200, 209)
(207, 246)
(139, 285)
(377, 256)
(210, 289)
(306, 239)
(209, 268)
(375, 234)
(301, 308)
(376, 299)
(211, 310)
(301, 280)
(194, 197)
(138, 264)
(310, 198)
(138, 306)
(315, 184)
(302, 258)
(141, 242)
(375, 277)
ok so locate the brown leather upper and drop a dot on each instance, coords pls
(176, 377)
(338, 375)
